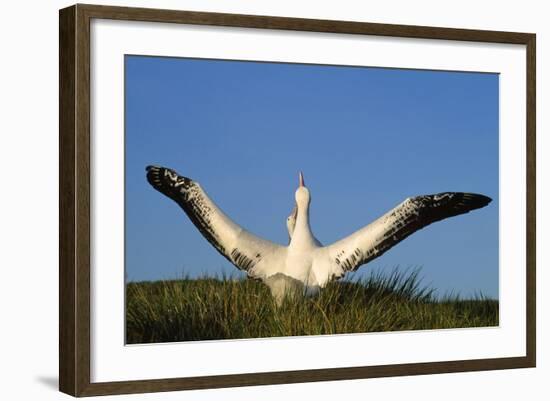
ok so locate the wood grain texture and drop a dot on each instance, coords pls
(531, 178)
(301, 376)
(67, 288)
(82, 166)
(74, 199)
(301, 24)
(74, 206)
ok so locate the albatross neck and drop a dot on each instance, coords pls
(302, 231)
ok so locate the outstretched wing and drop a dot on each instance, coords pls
(237, 245)
(410, 216)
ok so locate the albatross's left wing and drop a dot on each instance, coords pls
(241, 248)
(408, 217)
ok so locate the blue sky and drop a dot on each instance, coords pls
(365, 138)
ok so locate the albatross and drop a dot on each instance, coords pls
(305, 265)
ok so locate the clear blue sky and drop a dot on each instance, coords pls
(365, 138)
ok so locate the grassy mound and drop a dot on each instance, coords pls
(223, 308)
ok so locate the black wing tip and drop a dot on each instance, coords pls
(155, 177)
(166, 180)
(155, 173)
(476, 201)
(459, 202)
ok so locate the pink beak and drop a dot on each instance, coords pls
(301, 179)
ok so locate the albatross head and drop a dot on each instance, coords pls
(302, 195)
(302, 202)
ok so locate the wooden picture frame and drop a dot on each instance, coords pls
(75, 200)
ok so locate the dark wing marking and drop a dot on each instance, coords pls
(410, 216)
(237, 245)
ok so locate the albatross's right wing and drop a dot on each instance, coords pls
(237, 245)
(410, 216)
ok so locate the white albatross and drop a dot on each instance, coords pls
(305, 265)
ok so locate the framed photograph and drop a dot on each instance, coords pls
(249, 200)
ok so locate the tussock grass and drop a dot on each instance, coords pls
(212, 308)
